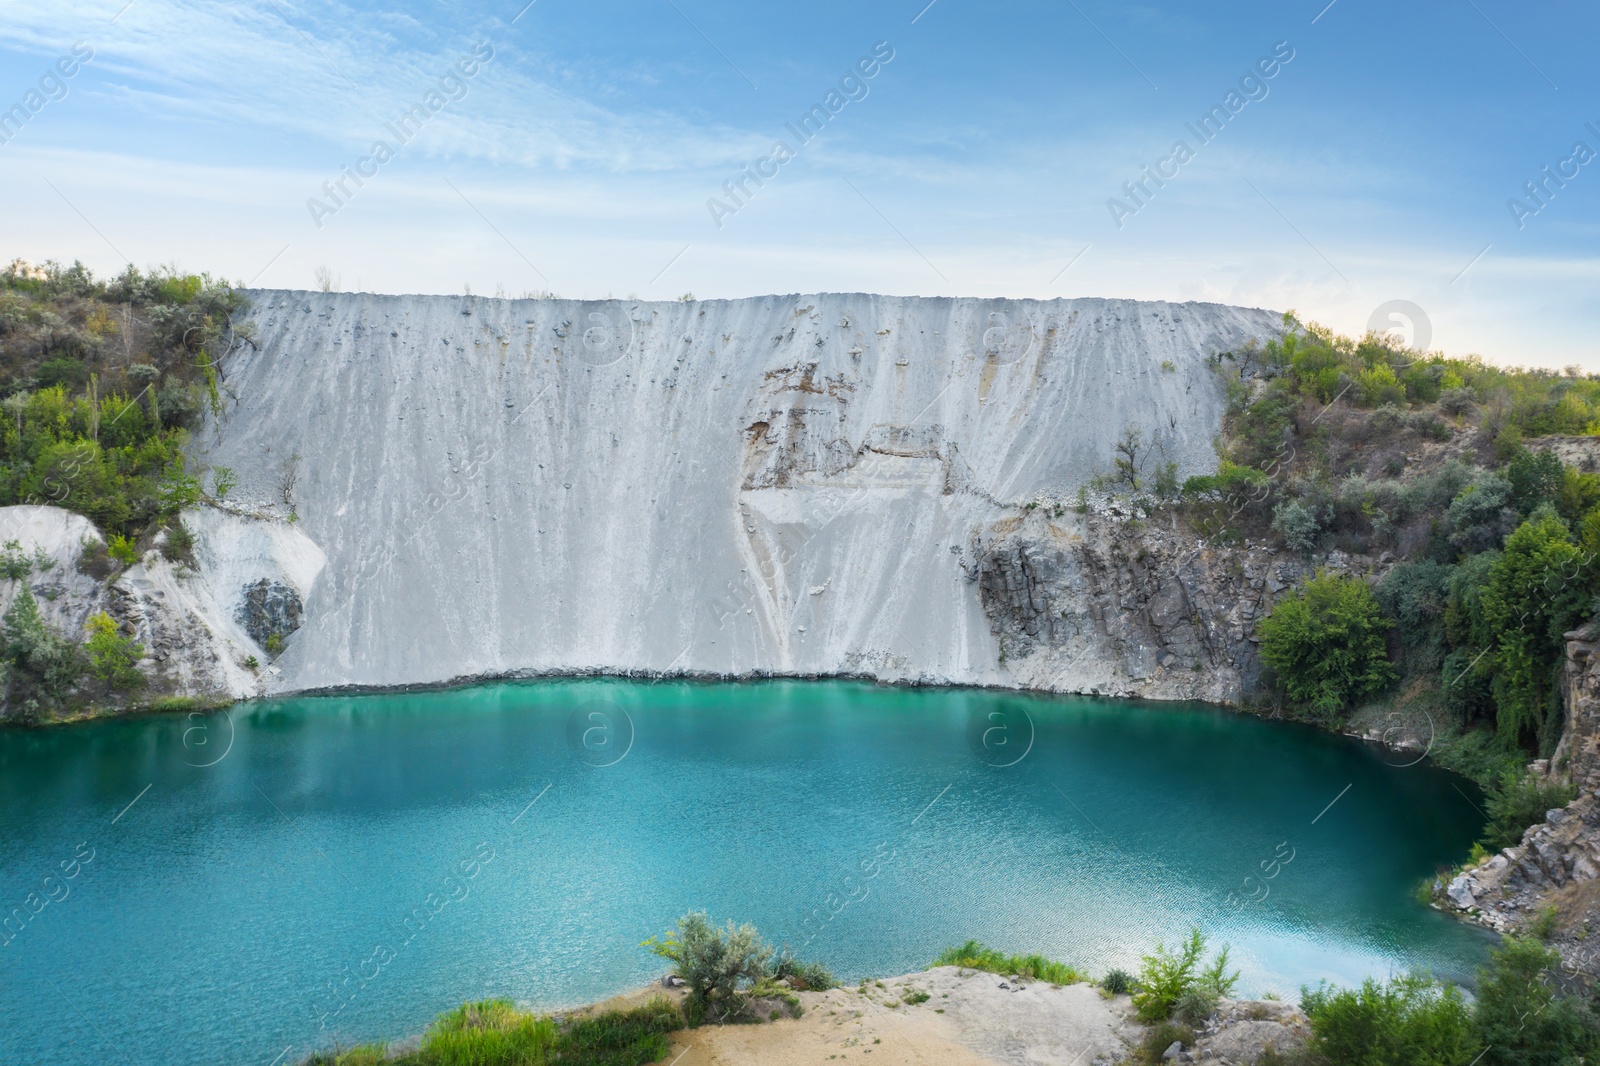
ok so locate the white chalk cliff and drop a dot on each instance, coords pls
(786, 484)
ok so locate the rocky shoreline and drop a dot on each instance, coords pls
(1554, 869)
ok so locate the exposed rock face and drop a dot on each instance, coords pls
(1558, 860)
(191, 621)
(1098, 603)
(798, 485)
(269, 609)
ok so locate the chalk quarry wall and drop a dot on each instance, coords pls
(787, 484)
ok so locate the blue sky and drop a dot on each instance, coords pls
(1373, 166)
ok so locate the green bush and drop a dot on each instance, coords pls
(1534, 594)
(1326, 643)
(974, 956)
(1297, 524)
(1165, 977)
(1517, 801)
(1520, 1018)
(15, 564)
(113, 658)
(1117, 982)
(122, 550)
(491, 1033)
(1195, 1006)
(805, 976)
(1409, 1021)
(715, 963)
(620, 1038)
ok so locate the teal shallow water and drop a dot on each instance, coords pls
(346, 868)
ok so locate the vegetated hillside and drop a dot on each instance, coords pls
(101, 383)
(1449, 472)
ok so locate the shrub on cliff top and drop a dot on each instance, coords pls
(1326, 642)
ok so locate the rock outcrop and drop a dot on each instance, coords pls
(269, 611)
(198, 623)
(1102, 603)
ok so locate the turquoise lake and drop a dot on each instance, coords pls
(246, 887)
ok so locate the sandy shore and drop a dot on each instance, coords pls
(969, 1019)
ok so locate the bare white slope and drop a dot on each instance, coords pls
(782, 484)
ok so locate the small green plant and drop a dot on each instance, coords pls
(1195, 1006)
(805, 976)
(122, 550)
(1117, 982)
(1545, 923)
(179, 542)
(1168, 366)
(1166, 976)
(1161, 1036)
(15, 564)
(223, 480)
(274, 644)
(250, 663)
(914, 997)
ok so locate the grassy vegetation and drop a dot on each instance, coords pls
(495, 1033)
(974, 956)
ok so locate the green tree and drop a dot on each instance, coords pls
(1326, 643)
(1535, 592)
(1536, 479)
(113, 658)
(41, 664)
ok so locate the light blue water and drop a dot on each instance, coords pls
(346, 868)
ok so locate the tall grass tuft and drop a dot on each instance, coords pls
(490, 1033)
(974, 956)
(621, 1038)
